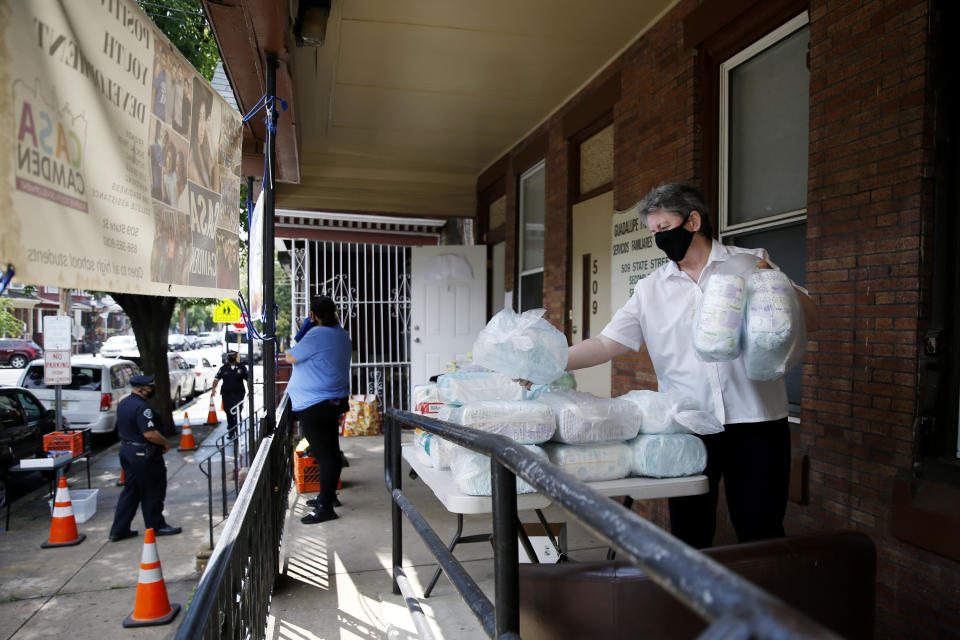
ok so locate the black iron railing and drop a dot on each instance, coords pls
(233, 597)
(240, 445)
(733, 607)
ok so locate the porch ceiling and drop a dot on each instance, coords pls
(408, 101)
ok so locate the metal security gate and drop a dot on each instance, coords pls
(370, 284)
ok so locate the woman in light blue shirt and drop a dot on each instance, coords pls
(318, 390)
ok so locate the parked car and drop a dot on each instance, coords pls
(96, 386)
(236, 340)
(210, 338)
(193, 341)
(176, 342)
(203, 372)
(17, 353)
(23, 423)
(115, 345)
(181, 376)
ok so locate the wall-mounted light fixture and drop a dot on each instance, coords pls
(310, 28)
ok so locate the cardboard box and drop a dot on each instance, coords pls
(546, 552)
(84, 503)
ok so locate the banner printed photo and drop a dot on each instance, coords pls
(121, 159)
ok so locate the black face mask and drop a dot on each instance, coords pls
(150, 393)
(674, 242)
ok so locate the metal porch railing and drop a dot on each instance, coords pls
(233, 597)
(732, 606)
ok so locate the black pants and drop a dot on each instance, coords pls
(754, 462)
(230, 400)
(144, 485)
(320, 423)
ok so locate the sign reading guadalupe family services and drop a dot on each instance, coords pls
(633, 256)
(119, 164)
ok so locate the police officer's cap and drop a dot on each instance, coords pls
(141, 381)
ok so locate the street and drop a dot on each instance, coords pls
(21, 484)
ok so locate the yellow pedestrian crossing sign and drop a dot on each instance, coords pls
(226, 311)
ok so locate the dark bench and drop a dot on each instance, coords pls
(830, 577)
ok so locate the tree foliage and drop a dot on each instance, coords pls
(10, 325)
(184, 23)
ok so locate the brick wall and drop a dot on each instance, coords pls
(868, 228)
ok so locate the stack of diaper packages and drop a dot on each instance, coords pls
(494, 403)
(590, 442)
(750, 312)
(666, 446)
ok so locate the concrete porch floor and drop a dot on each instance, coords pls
(336, 581)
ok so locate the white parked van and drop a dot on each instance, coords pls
(236, 340)
(96, 386)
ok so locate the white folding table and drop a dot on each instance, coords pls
(440, 482)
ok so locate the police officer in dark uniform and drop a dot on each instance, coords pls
(234, 377)
(141, 455)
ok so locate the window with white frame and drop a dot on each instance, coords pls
(533, 205)
(764, 135)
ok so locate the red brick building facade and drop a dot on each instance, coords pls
(872, 448)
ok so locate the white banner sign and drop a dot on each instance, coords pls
(119, 164)
(633, 256)
(57, 333)
(56, 367)
(256, 260)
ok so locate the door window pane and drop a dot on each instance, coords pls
(768, 130)
(531, 291)
(532, 207)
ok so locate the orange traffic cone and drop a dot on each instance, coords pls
(152, 606)
(187, 443)
(63, 527)
(121, 480)
(212, 413)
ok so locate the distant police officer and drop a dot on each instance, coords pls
(234, 377)
(141, 455)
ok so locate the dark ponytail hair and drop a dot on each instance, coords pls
(325, 311)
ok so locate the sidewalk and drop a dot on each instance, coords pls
(336, 579)
(86, 591)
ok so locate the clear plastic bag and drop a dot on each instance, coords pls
(523, 421)
(522, 346)
(717, 328)
(775, 335)
(471, 471)
(668, 455)
(583, 417)
(463, 387)
(591, 462)
(671, 412)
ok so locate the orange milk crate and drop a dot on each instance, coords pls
(306, 474)
(72, 441)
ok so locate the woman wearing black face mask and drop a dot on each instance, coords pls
(753, 452)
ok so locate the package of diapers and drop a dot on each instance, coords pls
(716, 330)
(426, 399)
(583, 417)
(523, 421)
(591, 462)
(432, 450)
(471, 471)
(669, 455)
(774, 336)
(470, 386)
(671, 412)
(522, 346)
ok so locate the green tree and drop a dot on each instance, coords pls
(10, 325)
(183, 21)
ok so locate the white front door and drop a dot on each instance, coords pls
(590, 294)
(447, 306)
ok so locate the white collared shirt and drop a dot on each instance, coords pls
(661, 313)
